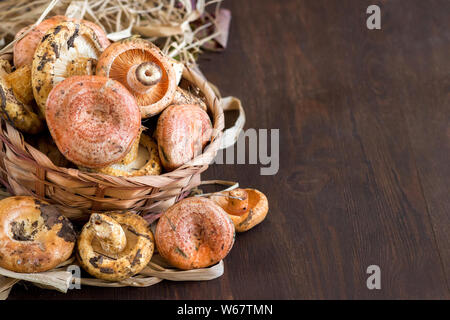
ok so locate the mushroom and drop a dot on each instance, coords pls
(114, 246)
(245, 207)
(16, 99)
(34, 235)
(93, 120)
(182, 132)
(147, 162)
(194, 233)
(144, 70)
(24, 48)
(68, 49)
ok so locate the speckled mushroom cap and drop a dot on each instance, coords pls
(121, 61)
(34, 236)
(194, 233)
(24, 48)
(133, 254)
(68, 49)
(93, 120)
(182, 132)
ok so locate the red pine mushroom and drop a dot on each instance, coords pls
(144, 70)
(93, 120)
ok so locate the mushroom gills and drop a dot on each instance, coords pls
(114, 265)
(77, 59)
(142, 74)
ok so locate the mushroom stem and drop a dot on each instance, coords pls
(109, 233)
(142, 77)
(237, 202)
(81, 66)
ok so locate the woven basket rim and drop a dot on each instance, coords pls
(196, 165)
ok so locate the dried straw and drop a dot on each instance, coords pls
(169, 23)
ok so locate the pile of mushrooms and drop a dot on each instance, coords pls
(95, 97)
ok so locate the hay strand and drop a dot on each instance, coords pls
(180, 27)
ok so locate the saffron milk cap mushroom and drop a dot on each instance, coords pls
(34, 235)
(245, 207)
(182, 132)
(194, 233)
(24, 48)
(93, 120)
(68, 49)
(141, 67)
(16, 99)
(115, 246)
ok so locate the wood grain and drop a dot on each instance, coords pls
(364, 145)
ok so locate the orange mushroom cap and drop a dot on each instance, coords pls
(99, 32)
(141, 67)
(93, 120)
(24, 49)
(182, 132)
(194, 233)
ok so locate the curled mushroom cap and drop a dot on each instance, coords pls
(245, 207)
(34, 236)
(24, 48)
(99, 32)
(182, 132)
(115, 246)
(16, 99)
(144, 70)
(194, 233)
(93, 120)
(68, 49)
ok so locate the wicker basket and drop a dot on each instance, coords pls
(27, 171)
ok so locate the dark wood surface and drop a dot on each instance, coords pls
(364, 147)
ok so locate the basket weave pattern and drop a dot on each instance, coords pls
(27, 171)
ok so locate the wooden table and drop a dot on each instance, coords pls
(364, 146)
